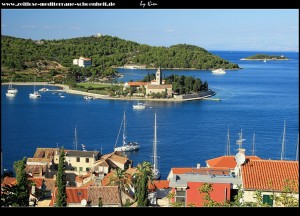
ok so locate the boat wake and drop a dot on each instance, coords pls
(223, 94)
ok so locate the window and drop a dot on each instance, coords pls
(180, 196)
(267, 199)
(80, 169)
(78, 159)
(87, 160)
(87, 169)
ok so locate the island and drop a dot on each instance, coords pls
(264, 57)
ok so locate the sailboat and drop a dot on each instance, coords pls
(35, 93)
(127, 146)
(11, 92)
(44, 89)
(156, 173)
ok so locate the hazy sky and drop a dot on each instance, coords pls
(217, 29)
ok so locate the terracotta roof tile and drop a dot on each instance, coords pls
(80, 178)
(269, 174)
(38, 181)
(45, 152)
(202, 170)
(137, 83)
(101, 162)
(118, 159)
(227, 161)
(106, 179)
(109, 194)
(153, 86)
(132, 170)
(34, 169)
(9, 181)
(159, 184)
(38, 160)
(74, 195)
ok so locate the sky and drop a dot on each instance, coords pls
(212, 29)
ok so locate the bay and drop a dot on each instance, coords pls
(256, 99)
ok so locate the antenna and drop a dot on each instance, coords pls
(283, 143)
(240, 158)
(240, 140)
(253, 145)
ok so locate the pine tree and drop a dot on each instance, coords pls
(61, 181)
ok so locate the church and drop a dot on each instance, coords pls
(158, 85)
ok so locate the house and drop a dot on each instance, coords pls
(42, 163)
(158, 191)
(271, 177)
(90, 196)
(78, 162)
(185, 184)
(115, 160)
(82, 62)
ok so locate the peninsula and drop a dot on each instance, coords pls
(96, 57)
(264, 57)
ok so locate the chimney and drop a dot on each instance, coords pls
(242, 151)
(198, 165)
(33, 189)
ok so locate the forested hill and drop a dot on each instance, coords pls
(105, 51)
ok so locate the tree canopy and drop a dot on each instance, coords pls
(105, 52)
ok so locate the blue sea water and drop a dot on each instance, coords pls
(256, 99)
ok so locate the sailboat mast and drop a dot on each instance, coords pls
(124, 130)
(154, 147)
(228, 143)
(253, 145)
(283, 143)
(75, 139)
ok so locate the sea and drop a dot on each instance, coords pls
(258, 99)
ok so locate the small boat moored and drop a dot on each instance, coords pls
(139, 106)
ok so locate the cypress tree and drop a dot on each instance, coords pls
(61, 181)
(23, 189)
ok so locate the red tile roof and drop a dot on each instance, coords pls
(202, 170)
(45, 152)
(227, 161)
(132, 170)
(158, 184)
(74, 195)
(269, 174)
(163, 86)
(117, 158)
(38, 181)
(80, 178)
(137, 83)
(106, 179)
(9, 181)
(110, 195)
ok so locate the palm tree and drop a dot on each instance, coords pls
(141, 180)
(121, 179)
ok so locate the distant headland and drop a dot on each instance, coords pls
(264, 57)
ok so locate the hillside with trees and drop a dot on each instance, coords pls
(48, 58)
